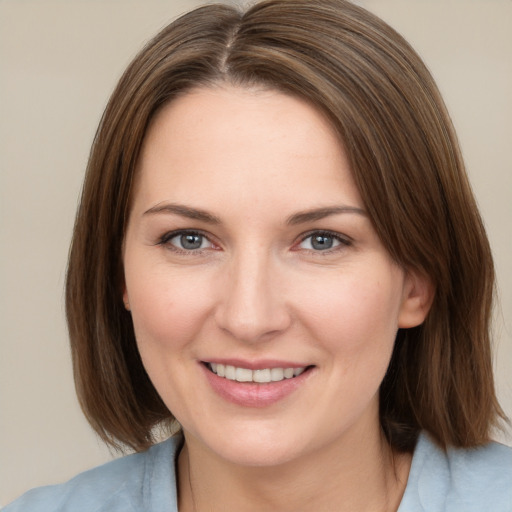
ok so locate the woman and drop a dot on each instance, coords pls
(278, 254)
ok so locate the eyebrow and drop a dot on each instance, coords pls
(183, 211)
(321, 213)
(296, 218)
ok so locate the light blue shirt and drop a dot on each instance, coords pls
(476, 480)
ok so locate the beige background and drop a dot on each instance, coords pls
(59, 60)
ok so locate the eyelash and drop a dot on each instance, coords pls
(344, 241)
(165, 241)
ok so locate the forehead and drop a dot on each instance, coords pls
(230, 145)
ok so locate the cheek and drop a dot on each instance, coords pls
(355, 313)
(167, 308)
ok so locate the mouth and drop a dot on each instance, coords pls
(261, 385)
(259, 376)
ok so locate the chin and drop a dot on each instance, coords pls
(259, 454)
(255, 445)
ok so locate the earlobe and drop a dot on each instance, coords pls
(418, 296)
(126, 300)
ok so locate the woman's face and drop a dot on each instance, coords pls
(249, 258)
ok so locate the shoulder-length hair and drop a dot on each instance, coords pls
(405, 159)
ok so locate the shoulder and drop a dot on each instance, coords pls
(460, 479)
(136, 482)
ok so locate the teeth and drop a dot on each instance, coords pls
(276, 374)
(243, 375)
(230, 372)
(262, 376)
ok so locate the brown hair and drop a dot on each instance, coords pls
(405, 159)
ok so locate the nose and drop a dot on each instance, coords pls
(252, 305)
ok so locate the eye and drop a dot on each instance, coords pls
(322, 241)
(186, 241)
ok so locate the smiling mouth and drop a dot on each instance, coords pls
(261, 376)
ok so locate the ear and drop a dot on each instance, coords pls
(125, 298)
(418, 295)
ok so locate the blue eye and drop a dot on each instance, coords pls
(322, 241)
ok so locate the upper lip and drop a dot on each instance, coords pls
(259, 364)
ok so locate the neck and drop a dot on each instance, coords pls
(357, 473)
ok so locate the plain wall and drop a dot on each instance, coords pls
(59, 61)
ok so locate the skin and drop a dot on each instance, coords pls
(258, 289)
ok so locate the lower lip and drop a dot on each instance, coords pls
(250, 394)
